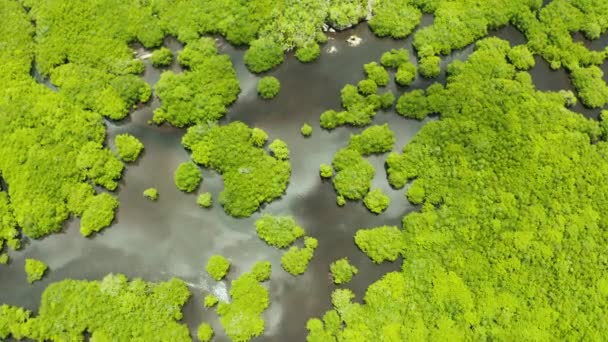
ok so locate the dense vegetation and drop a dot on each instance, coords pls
(509, 242)
(111, 309)
(509, 239)
(202, 92)
(251, 176)
(52, 142)
(34, 269)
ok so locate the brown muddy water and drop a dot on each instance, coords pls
(173, 237)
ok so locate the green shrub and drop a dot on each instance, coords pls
(205, 200)
(278, 231)
(217, 267)
(34, 269)
(406, 73)
(295, 261)
(308, 53)
(262, 270)
(367, 87)
(430, 67)
(376, 73)
(326, 171)
(268, 87)
(306, 130)
(342, 271)
(187, 176)
(381, 243)
(263, 55)
(395, 58)
(162, 57)
(376, 201)
(210, 301)
(151, 193)
(204, 333)
(128, 147)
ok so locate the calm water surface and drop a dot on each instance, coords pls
(173, 237)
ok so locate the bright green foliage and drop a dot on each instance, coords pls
(326, 171)
(100, 165)
(360, 109)
(354, 174)
(151, 193)
(205, 200)
(306, 130)
(210, 301)
(406, 73)
(413, 105)
(386, 100)
(162, 57)
(295, 260)
(204, 333)
(340, 201)
(261, 270)
(128, 147)
(508, 244)
(258, 137)
(308, 53)
(187, 176)
(342, 271)
(549, 32)
(99, 213)
(86, 52)
(217, 267)
(374, 139)
(376, 73)
(8, 225)
(241, 318)
(12, 321)
(521, 57)
(251, 176)
(268, 87)
(263, 55)
(34, 269)
(4, 259)
(376, 201)
(111, 309)
(592, 89)
(278, 231)
(381, 243)
(367, 87)
(343, 14)
(395, 18)
(200, 94)
(395, 58)
(279, 149)
(603, 127)
(430, 67)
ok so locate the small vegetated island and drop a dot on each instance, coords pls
(508, 241)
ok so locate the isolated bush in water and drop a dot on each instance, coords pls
(187, 176)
